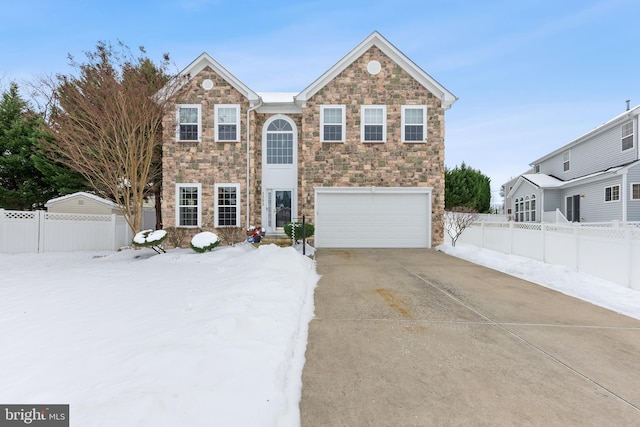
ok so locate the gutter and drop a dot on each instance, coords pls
(248, 159)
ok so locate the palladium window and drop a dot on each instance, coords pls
(373, 123)
(566, 161)
(227, 205)
(635, 191)
(188, 205)
(414, 121)
(332, 123)
(280, 143)
(627, 136)
(612, 194)
(189, 119)
(227, 126)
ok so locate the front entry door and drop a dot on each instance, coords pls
(279, 208)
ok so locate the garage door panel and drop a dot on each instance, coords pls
(373, 220)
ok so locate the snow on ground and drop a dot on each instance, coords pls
(178, 339)
(597, 291)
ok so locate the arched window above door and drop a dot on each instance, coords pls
(279, 143)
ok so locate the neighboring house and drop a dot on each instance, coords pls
(594, 178)
(82, 203)
(359, 152)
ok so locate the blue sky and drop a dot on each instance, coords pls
(530, 75)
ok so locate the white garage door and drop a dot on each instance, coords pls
(373, 217)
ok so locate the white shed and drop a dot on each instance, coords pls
(82, 203)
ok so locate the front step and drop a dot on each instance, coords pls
(280, 240)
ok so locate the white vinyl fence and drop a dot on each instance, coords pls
(610, 251)
(41, 231)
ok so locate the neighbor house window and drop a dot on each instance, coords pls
(189, 122)
(627, 136)
(566, 161)
(533, 208)
(373, 123)
(635, 191)
(536, 169)
(612, 194)
(227, 205)
(332, 123)
(414, 123)
(188, 205)
(227, 123)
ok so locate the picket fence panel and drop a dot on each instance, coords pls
(41, 231)
(610, 251)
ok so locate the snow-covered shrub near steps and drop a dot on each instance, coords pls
(204, 241)
(149, 238)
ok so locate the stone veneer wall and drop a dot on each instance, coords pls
(390, 164)
(206, 162)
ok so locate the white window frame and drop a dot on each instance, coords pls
(198, 205)
(343, 124)
(217, 123)
(424, 122)
(216, 204)
(566, 160)
(199, 123)
(363, 123)
(611, 187)
(631, 192)
(623, 128)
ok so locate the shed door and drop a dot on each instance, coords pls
(373, 218)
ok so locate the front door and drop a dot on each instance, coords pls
(573, 208)
(279, 209)
(279, 173)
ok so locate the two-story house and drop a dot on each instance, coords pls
(359, 152)
(594, 178)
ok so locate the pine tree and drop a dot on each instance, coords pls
(467, 188)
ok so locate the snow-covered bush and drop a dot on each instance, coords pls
(295, 228)
(149, 238)
(204, 241)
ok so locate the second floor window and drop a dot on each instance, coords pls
(627, 136)
(635, 191)
(373, 123)
(188, 119)
(566, 161)
(227, 123)
(332, 123)
(414, 123)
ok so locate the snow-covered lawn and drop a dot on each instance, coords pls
(597, 291)
(138, 339)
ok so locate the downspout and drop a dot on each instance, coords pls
(248, 158)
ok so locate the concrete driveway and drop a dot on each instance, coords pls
(420, 338)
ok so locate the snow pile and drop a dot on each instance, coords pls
(134, 338)
(204, 241)
(579, 285)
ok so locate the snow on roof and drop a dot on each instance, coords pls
(81, 194)
(542, 180)
(277, 97)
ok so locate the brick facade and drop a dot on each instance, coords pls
(345, 164)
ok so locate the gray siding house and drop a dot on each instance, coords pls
(594, 178)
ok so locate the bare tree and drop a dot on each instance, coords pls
(106, 125)
(457, 220)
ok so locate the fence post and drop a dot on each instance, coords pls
(511, 237)
(543, 229)
(41, 223)
(3, 239)
(629, 260)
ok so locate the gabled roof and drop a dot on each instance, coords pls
(618, 120)
(199, 64)
(81, 194)
(376, 39)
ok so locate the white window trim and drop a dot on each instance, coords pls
(633, 138)
(185, 185)
(612, 199)
(344, 122)
(566, 158)
(424, 122)
(215, 204)
(384, 122)
(178, 107)
(237, 123)
(631, 191)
